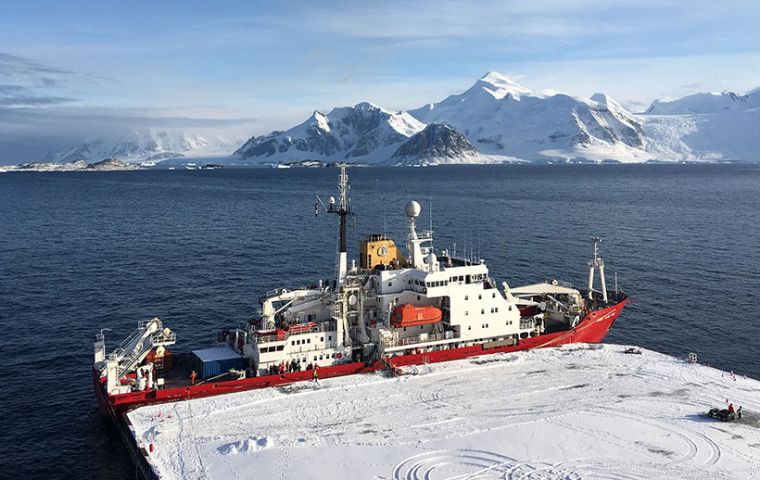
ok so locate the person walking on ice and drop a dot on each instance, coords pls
(315, 374)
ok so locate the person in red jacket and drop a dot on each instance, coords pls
(730, 408)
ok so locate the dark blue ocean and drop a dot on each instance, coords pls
(84, 251)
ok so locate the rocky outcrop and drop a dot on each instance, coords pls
(436, 144)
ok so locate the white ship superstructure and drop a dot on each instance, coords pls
(398, 304)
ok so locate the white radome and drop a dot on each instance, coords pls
(413, 209)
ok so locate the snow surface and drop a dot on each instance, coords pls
(575, 412)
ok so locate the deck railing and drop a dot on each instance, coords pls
(327, 326)
(421, 338)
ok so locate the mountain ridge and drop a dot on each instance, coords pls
(494, 120)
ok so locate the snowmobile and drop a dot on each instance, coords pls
(722, 414)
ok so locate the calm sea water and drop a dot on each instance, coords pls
(84, 251)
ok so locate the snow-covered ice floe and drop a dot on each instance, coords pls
(575, 412)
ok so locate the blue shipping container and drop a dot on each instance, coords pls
(210, 362)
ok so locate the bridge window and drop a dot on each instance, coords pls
(308, 340)
(466, 297)
(280, 348)
(321, 339)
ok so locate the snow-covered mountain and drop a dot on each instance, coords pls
(494, 120)
(146, 145)
(501, 117)
(499, 120)
(705, 103)
(362, 133)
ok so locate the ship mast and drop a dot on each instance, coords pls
(343, 210)
(597, 262)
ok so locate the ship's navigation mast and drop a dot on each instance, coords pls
(343, 210)
(597, 262)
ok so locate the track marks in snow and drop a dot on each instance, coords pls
(473, 464)
(555, 414)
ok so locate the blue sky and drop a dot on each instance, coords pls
(266, 65)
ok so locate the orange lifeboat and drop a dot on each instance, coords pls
(412, 315)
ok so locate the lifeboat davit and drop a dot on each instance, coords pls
(412, 315)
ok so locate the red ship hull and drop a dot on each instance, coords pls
(593, 329)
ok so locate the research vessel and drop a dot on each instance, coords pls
(396, 307)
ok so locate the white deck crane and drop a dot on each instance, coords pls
(126, 357)
(268, 310)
